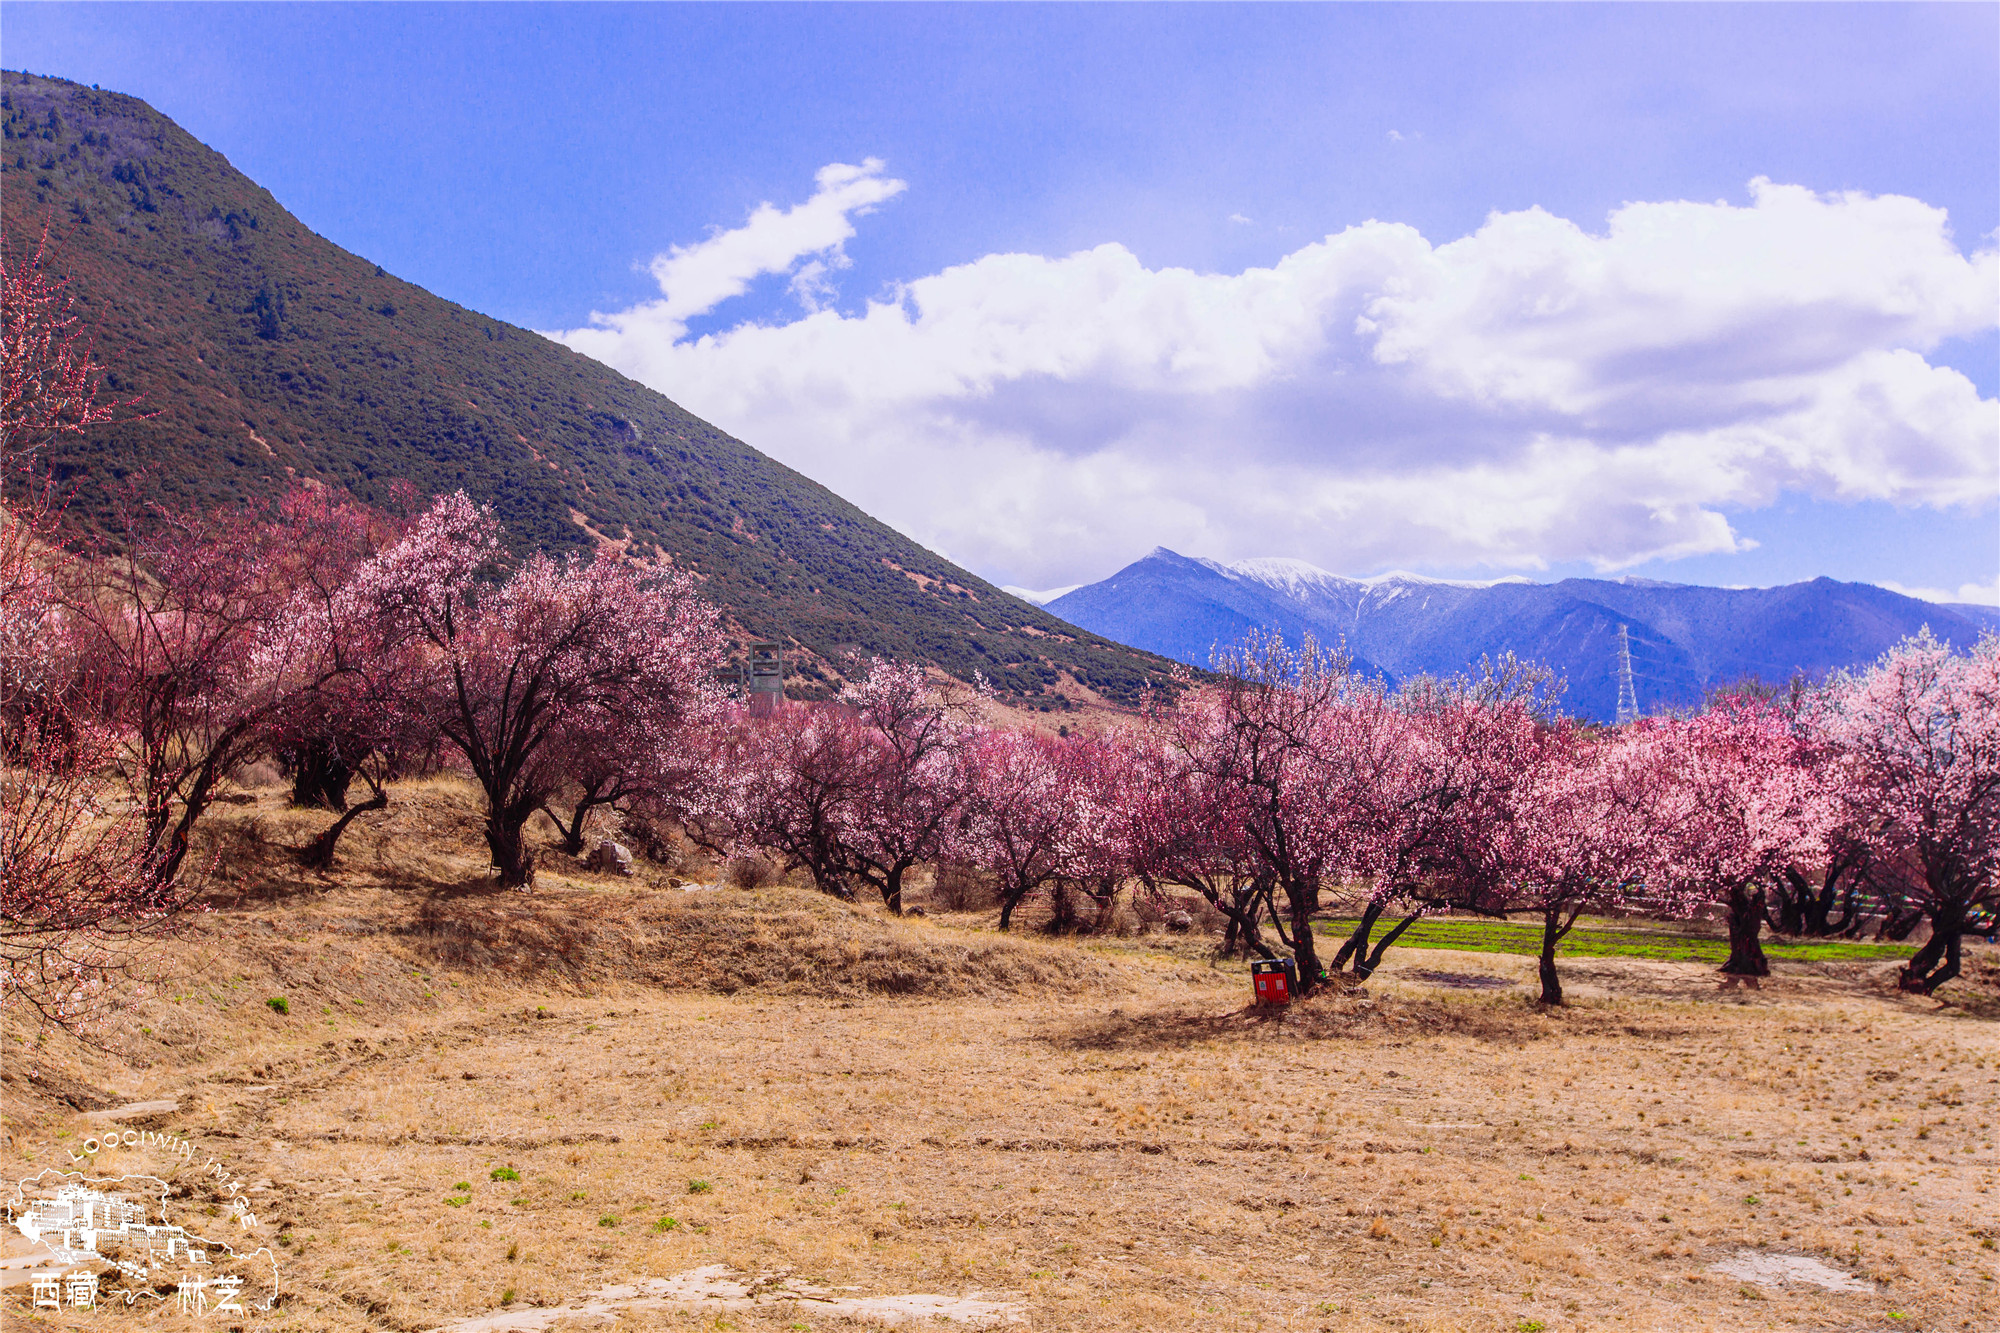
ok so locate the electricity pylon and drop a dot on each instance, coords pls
(1628, 698)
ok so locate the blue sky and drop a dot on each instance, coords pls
(532, 161)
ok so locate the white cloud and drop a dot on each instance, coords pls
(1042, 598)
(1530, 394)
(1240, 219)
(1979, 594)
(694, 279)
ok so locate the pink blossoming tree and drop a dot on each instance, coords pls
(76, 902)
(563, 664)
(1921, 730)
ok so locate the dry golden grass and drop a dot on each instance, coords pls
(1099, 1129)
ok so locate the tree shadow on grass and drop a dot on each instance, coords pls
(1501, 1019)
(484, 888)
(1334, 1017)
(1975, 993)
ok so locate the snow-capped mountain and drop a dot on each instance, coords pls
(1684, 638)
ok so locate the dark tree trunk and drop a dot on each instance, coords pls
(1849, 922)
(1242, 936)
(318, 854)
(168, 838)
(832, 883)
(1374, 960)
(572, 828)
(1303, 900)
(1898, 924)
(1746, 923)
(512, 860)
(1824, 922)
(1105, 894)
(1553, 930)
(1799, 907)
(320, 777)
(820, 855)
(1356, 947)
(1794, 900)
(1937, 962)
(892, 889)
(1008, 902)
(1062, 909)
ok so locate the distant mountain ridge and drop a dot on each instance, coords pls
(1986, 617)
(267, 353)
(1684, 638)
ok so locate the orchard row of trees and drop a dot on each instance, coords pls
(1289, 778)
(355, 646)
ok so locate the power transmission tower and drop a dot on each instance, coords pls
(1628, 698)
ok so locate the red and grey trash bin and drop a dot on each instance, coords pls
(1274, 980)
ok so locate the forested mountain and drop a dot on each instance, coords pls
(1684, 639)
(266, 353)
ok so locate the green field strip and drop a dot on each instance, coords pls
(1664, 946)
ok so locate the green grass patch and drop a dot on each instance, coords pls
(1586, 942)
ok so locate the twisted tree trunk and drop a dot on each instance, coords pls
(320, 776)
(1302, 900)
(1553, 929)
(1746, 922)
(512, 860)
(1356, 947)
(1934, 964)
(318, 854)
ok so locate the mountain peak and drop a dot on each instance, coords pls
(1684, 639)
(1284, 572)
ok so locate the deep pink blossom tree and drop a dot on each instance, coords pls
(1921, 731)
(1830, 894)
(1185, 832)
(860, 790)
(347, 709)
(1097, 847)
(76, 901)
(1578, 832)
(784, 785)
(1021, 806)
(1441, 759)
(1741, 800)
(323, 738)
(176, 636)
(1283, 734)
(914, 779)
(562, 664)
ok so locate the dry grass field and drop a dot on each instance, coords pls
(481, 1109)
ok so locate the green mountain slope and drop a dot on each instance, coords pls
(268, 352)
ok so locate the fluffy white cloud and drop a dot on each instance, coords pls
(1532, 393)
(696, 278)
(1978, 594)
